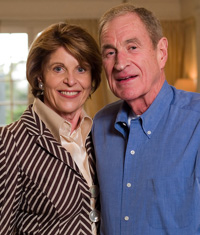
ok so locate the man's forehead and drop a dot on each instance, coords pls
(124, 28)
(122, 23)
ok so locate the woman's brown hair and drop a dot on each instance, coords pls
(77, 41)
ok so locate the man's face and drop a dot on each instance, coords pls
(134, 68)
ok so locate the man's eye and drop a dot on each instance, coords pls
(132, 48)
(108, 54)
(111, 53)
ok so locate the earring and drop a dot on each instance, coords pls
(41, 85)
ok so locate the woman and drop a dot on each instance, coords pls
(47, 173)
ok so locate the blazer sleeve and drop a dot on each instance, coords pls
(9, 182)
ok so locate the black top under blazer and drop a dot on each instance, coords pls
(42, 191)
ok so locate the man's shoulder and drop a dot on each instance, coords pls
(187, 100)
(109, 110)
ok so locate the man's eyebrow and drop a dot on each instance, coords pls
(132, 40)
(107, 46)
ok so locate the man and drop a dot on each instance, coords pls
(147, 144)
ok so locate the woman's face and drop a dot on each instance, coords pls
(67, 84)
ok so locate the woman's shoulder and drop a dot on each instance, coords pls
(14, 126)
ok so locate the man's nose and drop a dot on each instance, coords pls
(121, 61)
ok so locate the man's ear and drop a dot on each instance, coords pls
(162, 47)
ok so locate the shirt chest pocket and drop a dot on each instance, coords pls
(170, 203)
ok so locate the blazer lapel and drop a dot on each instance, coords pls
(91, 159)
(45, 139)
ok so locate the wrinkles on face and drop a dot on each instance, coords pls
(67, 85)
(131, 63)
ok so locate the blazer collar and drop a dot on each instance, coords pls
(45, 139)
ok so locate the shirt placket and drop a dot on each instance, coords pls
(136, 137)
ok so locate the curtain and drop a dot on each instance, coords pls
(182, 58)
(190, 50)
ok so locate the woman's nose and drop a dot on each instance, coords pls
(69, 79)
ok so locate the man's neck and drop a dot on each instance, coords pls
(141, 104)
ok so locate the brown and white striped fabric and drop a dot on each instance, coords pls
(42, 190)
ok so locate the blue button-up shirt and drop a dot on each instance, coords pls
(149, 172)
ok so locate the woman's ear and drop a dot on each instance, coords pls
(40, 83)
(39, 79)
(162, 52)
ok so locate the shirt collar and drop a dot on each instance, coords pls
(158, 108)
(153, 114)
(81, 132)
(55, 123)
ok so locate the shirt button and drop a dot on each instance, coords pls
(126, 218)
(124, 124)
(149, 132)
(128, 185)
(132, 152)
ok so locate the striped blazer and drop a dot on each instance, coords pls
(42, 190)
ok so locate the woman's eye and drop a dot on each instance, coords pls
(58, 69)
(81, 70)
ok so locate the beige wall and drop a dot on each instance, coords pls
(73, 9)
